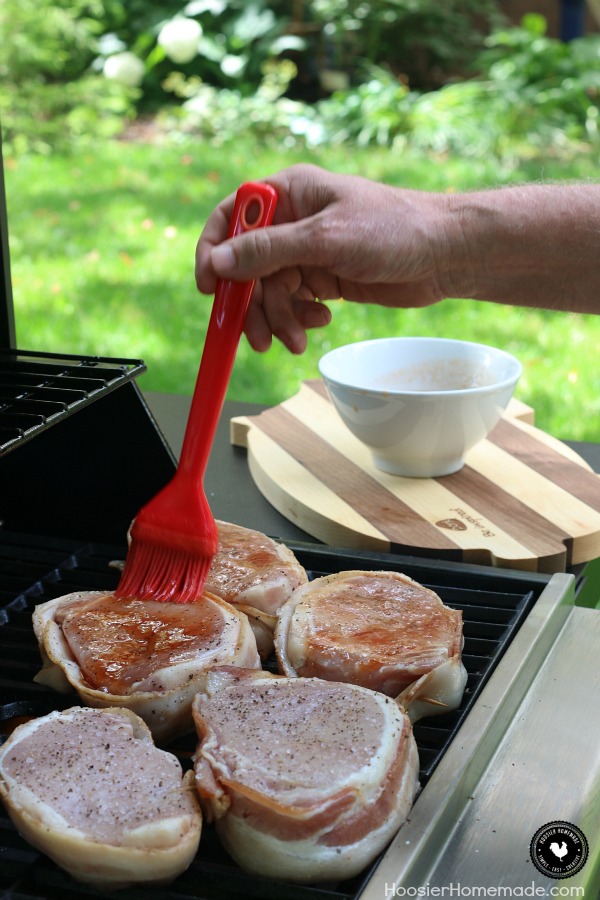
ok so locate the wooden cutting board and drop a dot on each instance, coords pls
(524, 500)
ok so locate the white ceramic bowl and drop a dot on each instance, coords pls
(419, 403)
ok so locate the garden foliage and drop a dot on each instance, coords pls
(100, 239)
(441, 77)
(50, 94)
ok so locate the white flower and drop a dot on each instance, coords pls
(233, 65)
(125, 67)
(110, 43)
(202, 102)
(179, 39)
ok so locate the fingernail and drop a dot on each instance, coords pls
(295, 343)
(316, 316)
(223, 259)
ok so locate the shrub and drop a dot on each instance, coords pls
(234, 40)
(554, 86)
(220, 115)
(422, 41)
(531, 93)
(49, 94)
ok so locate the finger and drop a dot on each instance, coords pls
(274, 294)
(287, 315)
(311, 314)
(259, 330)
(318, 284)
(264, 251)
(214, 231)
(206, 278)
(279, 309)
(256, 328)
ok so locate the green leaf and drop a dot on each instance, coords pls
(534, 23)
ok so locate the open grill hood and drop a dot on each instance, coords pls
(80, 453)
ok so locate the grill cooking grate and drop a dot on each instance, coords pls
(36, 569)
(39, 389)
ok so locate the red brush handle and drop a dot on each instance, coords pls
(254, 208)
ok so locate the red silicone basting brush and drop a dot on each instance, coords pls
(174, 537)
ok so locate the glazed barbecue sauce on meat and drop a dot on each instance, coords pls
(238, 568)
(244, 558)
(118, 643)
(382, 621)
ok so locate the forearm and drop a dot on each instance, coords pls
(535, 245)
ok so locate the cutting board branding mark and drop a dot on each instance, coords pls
(471, 520)
(452, 524)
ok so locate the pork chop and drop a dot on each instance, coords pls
(254, 573)
(381, 630)
(89, 788)
(147, 656)
(250, 568)
(306, 779)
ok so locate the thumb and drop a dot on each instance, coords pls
(261, 252)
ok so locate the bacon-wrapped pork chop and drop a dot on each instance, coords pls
(147, 656)
(251, 569)
(307, 779)
(381, 630)
(256, 574)
(89, 788)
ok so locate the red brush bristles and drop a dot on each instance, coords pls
(173, 541)
(154, 572)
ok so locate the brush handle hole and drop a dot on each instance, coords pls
(252, 212)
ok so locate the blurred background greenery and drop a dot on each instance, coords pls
(125, 122)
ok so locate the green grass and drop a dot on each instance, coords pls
(102, 248)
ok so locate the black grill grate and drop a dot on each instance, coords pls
(40, 389)
(33, 570)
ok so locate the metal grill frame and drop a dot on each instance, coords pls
(64, 383)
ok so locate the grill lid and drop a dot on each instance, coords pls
(38, 390)
(90, 476)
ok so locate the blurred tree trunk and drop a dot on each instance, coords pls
(594, 6)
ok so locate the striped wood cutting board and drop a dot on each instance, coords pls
(524, 500)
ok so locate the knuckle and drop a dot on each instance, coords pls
(255, 249)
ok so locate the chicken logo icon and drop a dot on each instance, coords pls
(559, 849)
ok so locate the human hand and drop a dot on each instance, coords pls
(333, 236)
